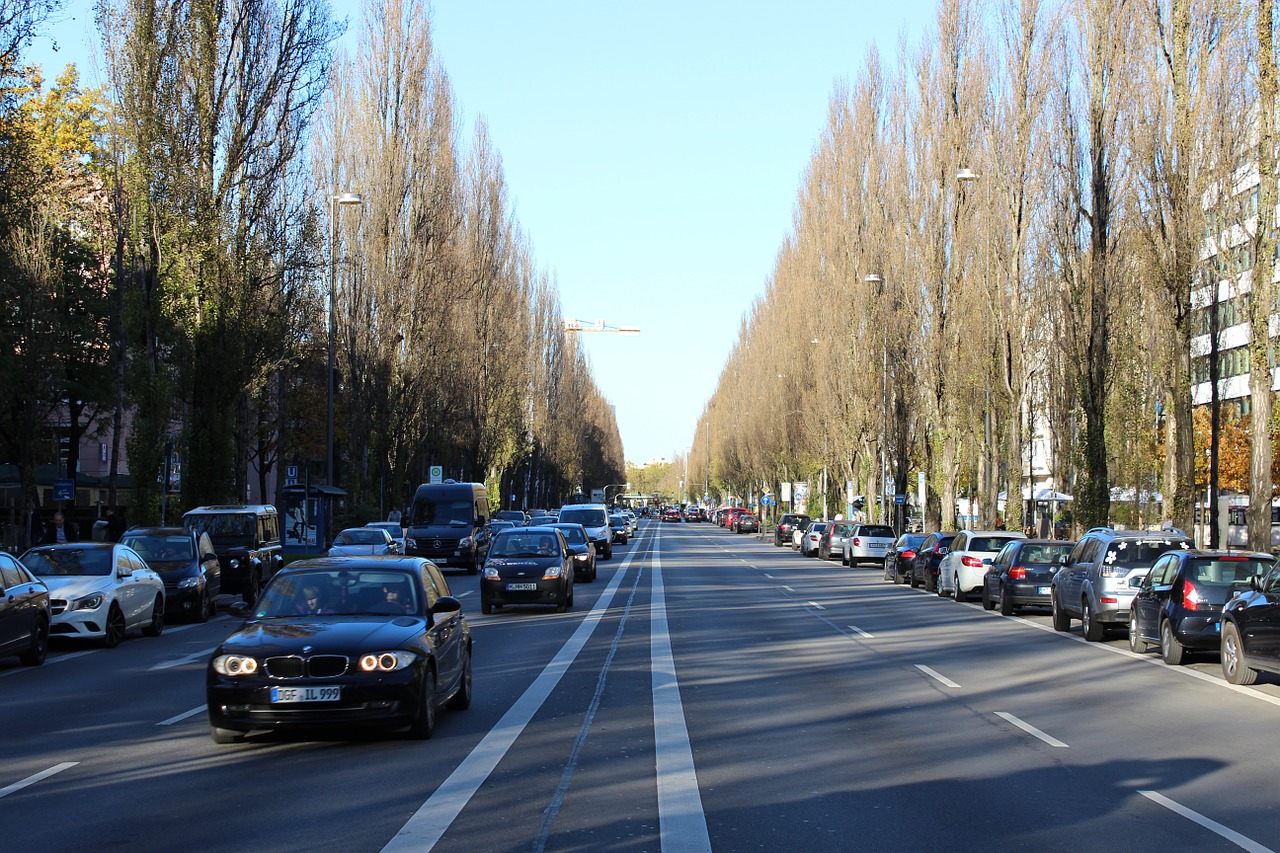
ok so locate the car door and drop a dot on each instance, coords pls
(1152, 594)
(948, 565)
(1260, 621)
(445, 631)
(18, 606)
(1070, 581)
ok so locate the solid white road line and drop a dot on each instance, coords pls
(1031, 730)
(31, 780)
(183, 716)
(1211, 825)
(191, 658)
(937, 676)
(862, 632)
(681, 820)
(816, 605)
(433, 817)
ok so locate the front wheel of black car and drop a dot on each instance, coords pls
(1234, 669)
(1170, 649)
(424, 725)
(207, 607)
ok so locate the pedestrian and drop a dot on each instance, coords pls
(60, 530)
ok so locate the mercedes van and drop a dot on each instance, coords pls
(443, 522)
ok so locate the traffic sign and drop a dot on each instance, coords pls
(900, 499)
(437, 473)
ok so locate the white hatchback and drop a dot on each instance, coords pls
(98, 590)
(963, 570)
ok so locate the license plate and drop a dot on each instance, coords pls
(305, 694)
(521, 587)
(1043, 590)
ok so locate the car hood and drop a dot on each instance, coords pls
(173, 570)
(324, 634)
(75, 586)
(521, 567)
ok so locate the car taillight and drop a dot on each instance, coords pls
(908, 555)
(1017, 573)
(857, 542)
(1190, 596)
(971, 562)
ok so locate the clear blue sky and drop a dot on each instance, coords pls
(653, 153)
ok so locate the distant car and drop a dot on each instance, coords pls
(24, 613)
(619, 528)
(965, 566)
(343, 642)
(747, 523)
(671, 514)
(515, 516)
(582, 549)
(897, 563)
(833, 539)
(868, 543)
(363, 542)
(1179, 602)
(1249, 633)
(394, 528)
(1021, 575)
(595, 518)
(786, 525)
(811, 537)
(98, 590)
(188, 565)
(924, 568)
(527, 565)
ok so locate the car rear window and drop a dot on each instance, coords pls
(1219, 572)
(1137, 552)
(988, 543)
(1043, 554)
(876, 530)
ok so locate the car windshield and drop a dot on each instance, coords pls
(360, 537)
(392, 527)
(518, 543)
(346, 592)
(1224, 572)
(70, 562)
(1046, 555)
(1138, 552)
(876, 530)
(161, 549)
(226, 529)
(430, 512)
(988, 543)
(585, 517)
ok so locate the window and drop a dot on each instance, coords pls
(10, 576)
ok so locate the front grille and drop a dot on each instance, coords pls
(57, 605)
(294, 666)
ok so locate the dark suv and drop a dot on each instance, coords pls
(1093, 584)
(187, 563)
(1249, 636)
(789, 522)
(924, 568)
(246, 539)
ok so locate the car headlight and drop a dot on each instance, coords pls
(582, 558)
(490, 573)
(235, 665)
(89, 602)
(233, 564)
(551, 573)
(386, 661)
(464, 542)
(189, 583)
(411, 543)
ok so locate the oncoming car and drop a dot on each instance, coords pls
(343, 641)
(527, 565)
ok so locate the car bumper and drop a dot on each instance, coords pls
(89, 624)
(391, 700)
(544, 592)
(1029, 594)
(182, 602)
(1199, 632)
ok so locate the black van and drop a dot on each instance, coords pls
(443, 522)
(246, 538)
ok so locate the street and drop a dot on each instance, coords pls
(708, 691)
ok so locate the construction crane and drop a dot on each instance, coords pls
(572, 326)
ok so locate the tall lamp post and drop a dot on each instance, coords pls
(334, 200)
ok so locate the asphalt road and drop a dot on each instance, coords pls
(708, 691)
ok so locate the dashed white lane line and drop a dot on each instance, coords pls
(787, 588)
(1031, 730)
(31, 780)
(185, 715)
(1211, 825)
(49, 660)
(858, 630)
(936, 676)
(816, 605)
(769, 576)
(182, 661)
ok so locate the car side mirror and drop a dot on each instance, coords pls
(239, 608)
(445, 604)
(207, 557)
(1136, 583)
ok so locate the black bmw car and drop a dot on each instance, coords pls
(527, 565)
(343, 641)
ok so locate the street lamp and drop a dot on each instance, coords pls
(335, 199)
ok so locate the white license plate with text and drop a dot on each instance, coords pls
(280, 695)
(521, 587)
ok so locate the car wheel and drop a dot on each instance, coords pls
(1137, 645)
(1006, 602)
(593, 572)
(461, 700)
(485, 606)
(958, 593)
(424, 725)
(35, 655)
(474, 566)
(911, 579)
(930, 582)
(1092, 629)
(225, 736)
(115, 627)
(207, 606)
(988, 603)
(568, 600)
(1061, 621)
(608, 551)
(624, 540)
(1234, 669)
(156, 627)
(1170, 649)
(252, 587)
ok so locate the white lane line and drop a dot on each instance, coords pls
(191, 658)
(421, 832)
(787, 588)
(31, 780)
(769, 576)
(1031, 730)
(862, 632)
(937, 676)
(816, 605)
(464, 594)
(183, 716)
(1211, 825)
(681, 821)
(47, 661)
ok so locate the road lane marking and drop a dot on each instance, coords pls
(1031, 730)
(816, 605)
(862, 632)
(429, 823)
(31, 780)
(191, 658)
(185, 715)
(787, 588)
(769, 576)
(682, 823)
(937, 676)
(1211, 825)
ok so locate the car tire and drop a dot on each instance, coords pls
(957, 593)
(461, 699)
(624, 540)
(988, 603)
(911, 579)
(156, 626)
(252, 587)
(115, 629)
(608, 551)
(1092, 629)
(930, 582)
(39, 650)
(592, 577)
(1234, 669)
(225, 736)
(1061, 621)
(207, 608)
(1170, 649)
(424, 725)
(1137, 645)
(486, 607)
(1006, 602)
